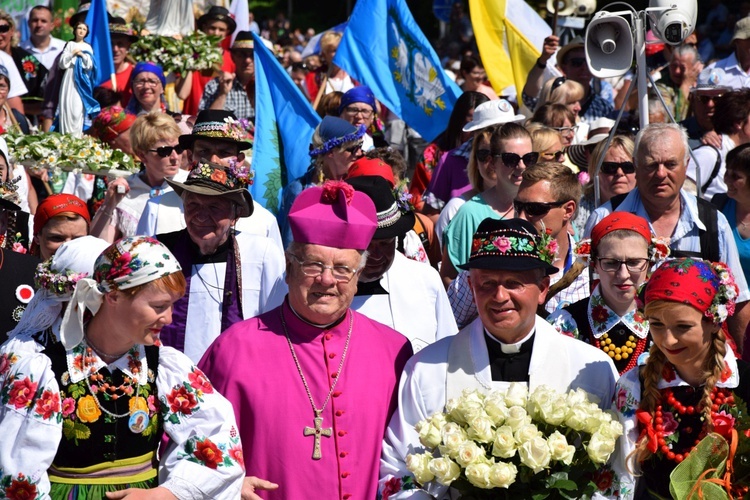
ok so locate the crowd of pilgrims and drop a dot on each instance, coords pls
(169, 337)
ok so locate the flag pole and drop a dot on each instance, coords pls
(555, 16)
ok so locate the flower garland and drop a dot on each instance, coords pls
(726, 295)
(56, 282)
(338, 141)
(658, 249)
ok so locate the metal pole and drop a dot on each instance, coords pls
(640, 61)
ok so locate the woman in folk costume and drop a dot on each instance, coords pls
(77, 89)
(688, 385)
(621, 251)
(85, 415)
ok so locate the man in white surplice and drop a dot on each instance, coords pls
(509, 275)
(396, 291)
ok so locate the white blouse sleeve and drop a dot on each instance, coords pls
(564, 323)
(626, 402)
(30, 420)
(204, 457)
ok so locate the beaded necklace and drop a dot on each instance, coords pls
(110, 392)
(632, 349)
(719, 397)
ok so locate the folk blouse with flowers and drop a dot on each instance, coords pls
(681, 430)
(59, 417)
(591, 320)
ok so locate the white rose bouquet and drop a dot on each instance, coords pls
(515, 445)
(64, 152)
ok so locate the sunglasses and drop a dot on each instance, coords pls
(166, 151)
(354, 149)
(483, 154)
(4, 28)
(557, 83)
(536, 208)
(511, 160)
(611, 167)
(577, 62)
(555, 155)
(705, 98)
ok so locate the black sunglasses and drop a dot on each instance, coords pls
(483, 154)
(558, 82)
(705, 98)
(611, 167)
(166, 151)
(536, 208)
(353, 150)
(577, 62)
(4, 28)
(511, 160)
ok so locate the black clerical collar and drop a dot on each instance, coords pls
(523, 345)
(220, 255)
(370, 288)
(510, 366)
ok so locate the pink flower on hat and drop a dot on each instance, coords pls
(502, 243)
(331, 190)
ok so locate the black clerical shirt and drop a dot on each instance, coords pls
(509, 367)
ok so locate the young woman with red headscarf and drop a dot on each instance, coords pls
(686, 388)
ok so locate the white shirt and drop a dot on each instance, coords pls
(736, 77)
(557, 361)
(416, 305)
(706, 158)
(17, 85)
(48, 55)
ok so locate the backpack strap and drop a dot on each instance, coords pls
(719, 200)
(617, 199)
(715, 171)
(709, 215)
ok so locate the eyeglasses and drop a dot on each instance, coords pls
(4, 28)
(358, 111)
(244, 53)
(483, 154)
(166, 151)
(354, 149)
(142, 83)
(614, 265)
(611, 167)
(577, 62)
(342, 274)
(566, 130)
(555, 155)
(511, 160)
(536, 208)
(705, 98)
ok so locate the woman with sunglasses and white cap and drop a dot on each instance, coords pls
(154, 138)
(511, 153)
(83, 417)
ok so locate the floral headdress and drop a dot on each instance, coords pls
(58, 283)
(658, 247)
(707, 286)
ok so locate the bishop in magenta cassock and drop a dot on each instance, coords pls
(313, 383)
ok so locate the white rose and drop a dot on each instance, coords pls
(496, 408)
(593, 419)
(502, 474)
(517, 417)
(600, 447)
(560, 449)
(539, 399)
(504, 445)
(468, 453)
(445, 470)
(612, 429)
(576, 397)
(526, 432)
(535, 454)
(517, 394)
(471, 410)
(419, 465)
(555, 412)
(576, 418)
(480, 429)
(453, 437)
(451, 408)
(429, 436)
(479, 475)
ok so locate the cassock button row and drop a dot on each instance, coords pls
(334, 375)
(332, 355)
(344, 474)
(343, 454)
(328, 336)
(339, 413)
(342, 433)
(347, 495)
(336, 394)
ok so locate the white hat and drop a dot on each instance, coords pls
(492, 112)
(711, 80)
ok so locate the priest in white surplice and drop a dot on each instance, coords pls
(509, 275)
(399, 292)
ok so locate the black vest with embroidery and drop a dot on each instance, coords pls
(90, 436)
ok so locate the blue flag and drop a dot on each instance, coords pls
(284, 125)
(384, 49)
(98, 38)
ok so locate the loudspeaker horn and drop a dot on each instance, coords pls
(566, 7)
(609, 45)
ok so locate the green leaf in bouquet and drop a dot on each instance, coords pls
(690, 479)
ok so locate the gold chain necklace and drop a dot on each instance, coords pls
(317, 430)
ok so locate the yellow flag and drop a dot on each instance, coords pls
(509, 35)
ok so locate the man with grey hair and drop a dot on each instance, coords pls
(694, 227)
(684, 68)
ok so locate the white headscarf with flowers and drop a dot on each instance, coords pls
(127, 263)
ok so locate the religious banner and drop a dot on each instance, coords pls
(384, 48)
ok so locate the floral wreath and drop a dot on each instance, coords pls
(658, 249)
(547, 246)
(332, 144)
(242, 172)
(403, 196)
(56, 282)
(726, 294)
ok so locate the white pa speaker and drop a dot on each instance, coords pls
(565, 7)
(609, 45)
(675, 24)
(585, 8)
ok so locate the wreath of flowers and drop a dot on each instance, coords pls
(658, 249)
(56, 282)
(196, 52)
(242, 172)
(403, 196)
(338, 141)
(726, 294)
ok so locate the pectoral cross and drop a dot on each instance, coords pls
(317, 431)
